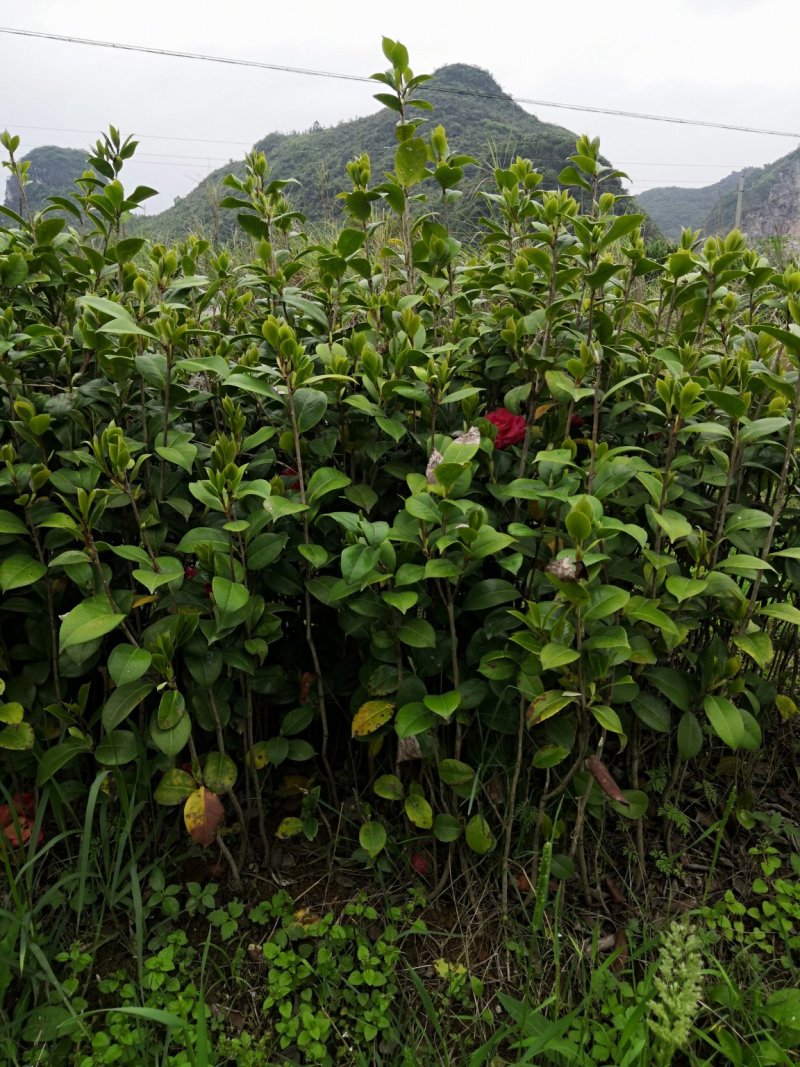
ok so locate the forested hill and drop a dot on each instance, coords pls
(480, 119)
(52, 172)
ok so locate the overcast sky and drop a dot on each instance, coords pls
(730, 61)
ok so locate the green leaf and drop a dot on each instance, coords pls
(604, 600)
(265, 549)
(170, 570)
(479, 835)
(442, 704)
(756, 645)
(489, 593)
(182, 454)
(316, 555)
(726, 720)
(310, 406)
(173, 740)
(280, 506)
(755, 431)
(417, 633)
(219, 772)
(389, 787)
(17, 738)
(488, 543)
(11, 524)
(673, 524)
(52, 761)
(653, 712)
(323, 481)
(446, 828)
(296, 720)
(411, 161)
(117, 748)
(549, 756)
(402, 601)
(454, 772)
(419, 811)
(746, 566)
(372, 838)
(607, 718)
(637, 804)
(12, 713)
(122, 702)
(171, 709)
(413, 719)
(300, 750)
(746, 519)
(783, 612)
(671, 684)
(174, 788)
(685, 588)
(546, 705)
(620, 227)
(18, 571)
(229, 596)
(87, 621)
(127, 663)
(690, 736)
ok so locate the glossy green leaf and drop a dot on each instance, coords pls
(127, 663)
(88, 620)
(18, 571)
(122, 702)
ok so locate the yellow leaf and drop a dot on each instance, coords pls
(289, 827)
(371, 716)
(257, 756)
(140, 601)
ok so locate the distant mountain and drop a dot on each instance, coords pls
(770, 203)
(671, 208)
(480, 119)
(52, 173)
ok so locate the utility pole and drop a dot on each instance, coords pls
(739, 195)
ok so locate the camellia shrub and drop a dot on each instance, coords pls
(479, 534)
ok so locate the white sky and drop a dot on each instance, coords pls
(731, 61)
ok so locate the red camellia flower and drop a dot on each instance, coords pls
(576, 421)
(291, 477)
(510, 428)
(421, 864)
(23, 808)
(189, 572)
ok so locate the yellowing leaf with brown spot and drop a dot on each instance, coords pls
(202, 814)
(289, 827)
(371, 716)
(258, 756)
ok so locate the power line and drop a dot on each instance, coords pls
(311, 72)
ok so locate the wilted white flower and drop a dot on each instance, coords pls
(563, 569)
(471, 437)
(434, 461)
(408, 749)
